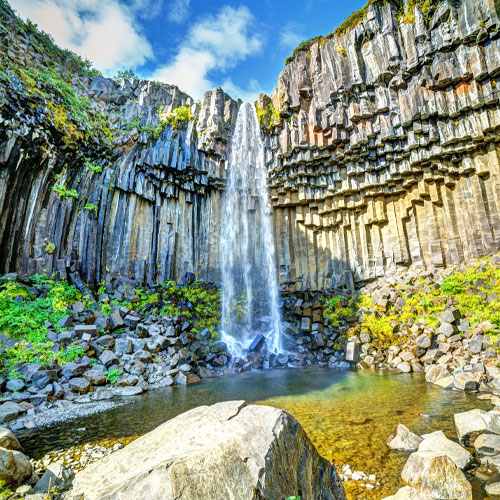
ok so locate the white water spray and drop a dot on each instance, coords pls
(249, 283)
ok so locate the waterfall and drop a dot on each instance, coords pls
(250, 309)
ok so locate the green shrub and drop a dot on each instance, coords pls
(113, 374)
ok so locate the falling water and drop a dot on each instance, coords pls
(249, 284)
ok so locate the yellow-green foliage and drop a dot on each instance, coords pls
(268, 116)
(426, 302)
(178, 117)
(334, 311)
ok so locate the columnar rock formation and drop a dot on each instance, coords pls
(387, 152)
(152, 212)
(385, 157)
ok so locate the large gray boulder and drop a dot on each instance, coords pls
(14, 467)
(228, 450)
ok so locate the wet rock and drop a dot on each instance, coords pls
(487, 444)
(439, 443)
(186, 378)
(471, 423)
(466, 382)
(215, 438)
(131, 391)
(435, 474)
(435, 372)
(79, 385)
(403, 439)
(257, 343)
(352, 352)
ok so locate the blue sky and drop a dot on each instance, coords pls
(194, 44)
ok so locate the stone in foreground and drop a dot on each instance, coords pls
(436, 475)
(407, 493)
(227, 450)
(403, 439)
(470, 424)
(438, 442)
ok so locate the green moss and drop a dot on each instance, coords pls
(466, 289)
(268, 116)
(26, 321)
(178, 117)
(64, 192)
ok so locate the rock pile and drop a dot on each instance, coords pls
(439, 467)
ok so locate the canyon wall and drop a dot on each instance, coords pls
(381, 145)
(145, 206)
(387, 151)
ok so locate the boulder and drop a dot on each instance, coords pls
(438, 442)
(108, 358)
(435, 372)
(9, 411)
(403, 439)
(352, 352)
(228, 450)
(8, 440)
(407, 493)
(465, 382)
(470, 424)
(14, 466)
(80, 385)
(487, 444)
(56, 478)
(450, 315)
(435, 474)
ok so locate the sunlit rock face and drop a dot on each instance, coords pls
(387, 152)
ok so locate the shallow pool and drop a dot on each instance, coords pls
(347, 415)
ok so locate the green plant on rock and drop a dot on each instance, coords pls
(268, 116)
(177, 118)
(92, 166)
(124, 74)
(91, 208)
(113, 374)
(64, 192)
(50, 248)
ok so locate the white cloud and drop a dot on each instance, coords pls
(217, 43)
(291, 35)
(178, 10)
(103, 31)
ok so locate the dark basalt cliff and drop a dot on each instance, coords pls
(148, 205)
(385, 156)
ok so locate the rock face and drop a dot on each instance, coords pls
(385, 156)
(388, 153)
(152, 194)
(249, 450)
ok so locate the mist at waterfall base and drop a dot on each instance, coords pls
(250, 308)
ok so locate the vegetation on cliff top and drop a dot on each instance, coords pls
(405, 10)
